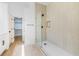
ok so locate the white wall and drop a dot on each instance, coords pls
(29, 23)
(16, 9)
(64, 26)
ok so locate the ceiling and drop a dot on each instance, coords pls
(44, 3)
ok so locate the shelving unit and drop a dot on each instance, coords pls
(18, 26)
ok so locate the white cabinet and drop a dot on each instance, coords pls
(4, 33)
(4, 42)
(1, 45)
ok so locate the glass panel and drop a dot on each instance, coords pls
(38, 25)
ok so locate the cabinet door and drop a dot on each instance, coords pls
(1, 45)
(4, 40)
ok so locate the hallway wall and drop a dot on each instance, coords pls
(16, 9)
(29, 23)
(64, 26)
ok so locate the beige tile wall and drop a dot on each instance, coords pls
(64, 26)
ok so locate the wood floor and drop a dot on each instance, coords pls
(9, 52)
(29, 50)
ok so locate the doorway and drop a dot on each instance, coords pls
(18, 28)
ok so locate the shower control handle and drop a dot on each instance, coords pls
(41, 26)
(9, 31)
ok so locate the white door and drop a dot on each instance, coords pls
(11, 29)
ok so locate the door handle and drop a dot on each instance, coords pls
(3, 43)
(9, 31)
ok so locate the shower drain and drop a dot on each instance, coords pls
(45, 43)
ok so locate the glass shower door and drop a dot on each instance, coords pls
(38, 25)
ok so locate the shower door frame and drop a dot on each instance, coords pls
(39, 29)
